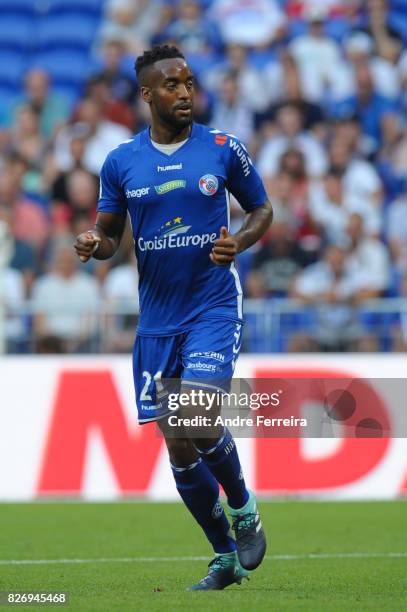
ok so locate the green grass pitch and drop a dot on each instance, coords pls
(321, 556)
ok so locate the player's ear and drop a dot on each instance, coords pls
(146, 94)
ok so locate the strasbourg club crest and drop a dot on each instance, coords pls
(208, 184)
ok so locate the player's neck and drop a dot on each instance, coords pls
(164, 134)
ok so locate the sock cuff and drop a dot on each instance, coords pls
(208, 451)
(249, 506)
(191, 466)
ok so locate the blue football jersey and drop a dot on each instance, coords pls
(177, 204)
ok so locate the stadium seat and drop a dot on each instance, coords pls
(16, 32)
(253, 341)
(75, 31)
(398, 21)
(66, 68)
(93, 7)
(18, 7)
(337, 28)
(8, 96)
(296, 27)
(293, 323)
(12, 67)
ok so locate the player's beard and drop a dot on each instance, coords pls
(178, 122)
(171, 120)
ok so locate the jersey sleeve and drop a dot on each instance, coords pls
(243, 180)
(111, 197)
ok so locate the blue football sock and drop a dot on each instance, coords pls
(223, 461)
(200, 493)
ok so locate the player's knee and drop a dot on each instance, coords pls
(181, 451)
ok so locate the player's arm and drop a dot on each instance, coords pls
(254, 227)
(245, 184)
(102, 241)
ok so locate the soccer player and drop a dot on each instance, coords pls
(173, 179)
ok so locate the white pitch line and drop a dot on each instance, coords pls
(351, 555)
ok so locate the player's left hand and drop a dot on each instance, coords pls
(225, 248)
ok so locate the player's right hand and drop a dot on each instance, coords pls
(86, 244)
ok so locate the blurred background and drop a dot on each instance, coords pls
(317, 92)
(316, 89)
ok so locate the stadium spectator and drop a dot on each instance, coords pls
(230, 113)
(360, 49)
(24, 261)
(382, 23)
(280, 189)
(258, 22)
(203, 103)
(289, 192)
(12, 295)
(101, 137)
(369, 257)
(26, 217)
(122, 86)
(26, 138)
(301, 8)
(332, 287)
(115, 110)
(59, 312)
(397, 232)
(317, 77)
(292, 90)
(348, 131)
(331, 208)
(53, 109)
(121, 288)
(360, 178)
(192, 30)
(290, 134)
(82, 193)
(369, 106)
(55, 179)
(392, 163)
(276, 263)
(255, 90)
(292, 166)
(135, 22)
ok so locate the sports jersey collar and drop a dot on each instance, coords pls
(146, 140)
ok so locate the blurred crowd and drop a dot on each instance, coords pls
(316, 89)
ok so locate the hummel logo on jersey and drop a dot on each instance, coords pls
(220, 139)
(166, 168)
(169, 186)
(137, 193)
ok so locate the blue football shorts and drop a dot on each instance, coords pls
(203, 357)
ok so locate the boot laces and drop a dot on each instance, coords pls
(242, 526)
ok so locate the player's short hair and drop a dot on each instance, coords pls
(157, 53)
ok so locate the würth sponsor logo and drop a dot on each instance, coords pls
(242, 155)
